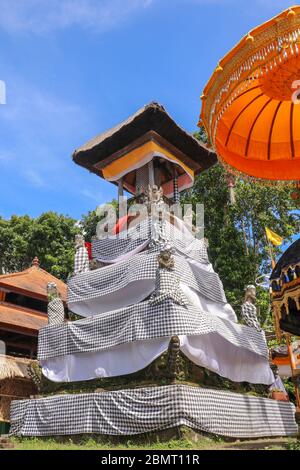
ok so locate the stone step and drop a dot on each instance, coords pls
(258, 444)
(5, 443)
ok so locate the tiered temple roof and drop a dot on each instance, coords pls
(151, 130)
(23, 306)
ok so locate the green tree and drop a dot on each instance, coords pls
(50, 237)
(89, 222)
(236, 233)
(14, 242)
(52, 240)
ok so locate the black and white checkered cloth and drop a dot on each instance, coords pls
(81, 261)
(142, 322)
(56, 312)
(176, 194)
(112, 278)
(167, 286)
(113, 247)
(142, 179)
(249, 316)
(137, 411)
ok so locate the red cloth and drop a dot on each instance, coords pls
(89, 249)
(122, 224)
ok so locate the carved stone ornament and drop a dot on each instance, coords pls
(52, 291)
(166, 260)
(154, 195)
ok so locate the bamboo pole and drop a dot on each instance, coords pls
(271, 251)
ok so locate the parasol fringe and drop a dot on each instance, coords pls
(255, 179)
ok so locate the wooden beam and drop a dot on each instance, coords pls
(20, 345)
(19, 329)
(155, 137)
(151, 173)
(120, 188)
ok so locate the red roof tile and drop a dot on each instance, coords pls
(32, 282)
(20, 319)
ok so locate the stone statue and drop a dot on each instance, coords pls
(154, 195)
(173, 358)
(249, 311)
(167, 284)
(165, 259)
(79, 241)
(55, 309)
(81, 261)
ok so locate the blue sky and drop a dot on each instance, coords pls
(74, 68)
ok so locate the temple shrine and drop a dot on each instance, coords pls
(155, 345)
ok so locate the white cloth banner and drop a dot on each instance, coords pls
(210, 351)
(120, 360)
(218, 355)
(206, 305)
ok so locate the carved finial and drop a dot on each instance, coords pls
(35, 262)
(291, 13)
(249, 38)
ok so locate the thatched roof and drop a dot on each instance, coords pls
(13, 367)
(152, 117)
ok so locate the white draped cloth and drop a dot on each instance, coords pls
(129, 280)
(210, 351)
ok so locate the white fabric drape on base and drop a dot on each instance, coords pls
(218, 355)
(210, 351)
(120, 360)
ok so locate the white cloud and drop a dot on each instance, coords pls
(40, 16)
(33, 105)
(42, 130)
(96, 197)
(34, 178)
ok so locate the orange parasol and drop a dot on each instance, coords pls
(251, 104)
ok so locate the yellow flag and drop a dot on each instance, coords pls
(273, 237)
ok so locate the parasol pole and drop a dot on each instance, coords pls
(271, 252)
